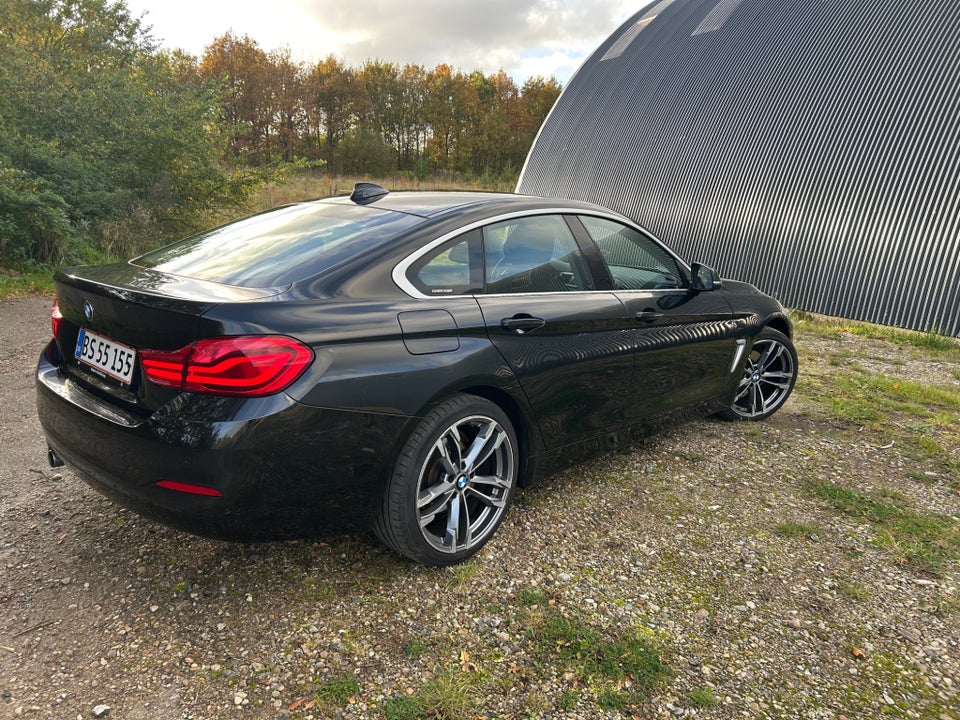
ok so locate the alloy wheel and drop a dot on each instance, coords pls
(465, 484)
(768, 378)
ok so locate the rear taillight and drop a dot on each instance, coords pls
(247, 366)
(55, 318)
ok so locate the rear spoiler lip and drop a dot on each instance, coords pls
(132, 282)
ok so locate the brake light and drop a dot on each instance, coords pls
(244, 366)
(56, 318)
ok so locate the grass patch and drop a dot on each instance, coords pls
(791, 529)
(857, 504)
(316, 590)
(530, 597)
(837, 327)
(415, 648)
(907, 686)
(703, 697)
(611, 700)
(449, 695)
(918, 419)
(402, 708)
(460, 575)
(854, 591)
(601, 660)
(863, 397)
(336, 692)
(907, 396)
(925, 542)
(567, 701)
(18, 284)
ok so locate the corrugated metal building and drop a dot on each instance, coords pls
(811, 147)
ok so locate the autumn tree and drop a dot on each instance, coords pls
(538, 96)
(381, 83)
(243, 71)
(411, 118)
(450, 101)
(286, 84)
(493, 125)
(333, 100)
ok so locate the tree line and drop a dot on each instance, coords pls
(378, 118)
(108, 143)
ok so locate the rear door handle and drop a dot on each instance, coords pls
(521, 323)
(648, 315)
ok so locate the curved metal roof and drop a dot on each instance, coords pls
(811, 147)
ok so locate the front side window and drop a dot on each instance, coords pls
(636, 262)
(533, 254)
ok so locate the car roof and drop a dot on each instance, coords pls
(433, 203)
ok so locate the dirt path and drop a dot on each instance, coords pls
(24, 327)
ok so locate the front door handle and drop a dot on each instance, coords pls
(521, 323)
(648, 315)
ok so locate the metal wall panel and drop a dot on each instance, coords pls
(811, 147)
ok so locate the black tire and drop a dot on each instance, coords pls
(768, 378)
(440, 506)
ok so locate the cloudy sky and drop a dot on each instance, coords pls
(524, 37)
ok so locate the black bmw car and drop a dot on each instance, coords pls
(395, 361)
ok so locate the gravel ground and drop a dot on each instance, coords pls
(761, 599)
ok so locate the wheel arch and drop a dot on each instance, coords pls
(524, 425)
(781, 323)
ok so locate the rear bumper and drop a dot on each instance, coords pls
(281, 469)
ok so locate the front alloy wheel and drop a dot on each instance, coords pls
(768, 377)
(452, 484)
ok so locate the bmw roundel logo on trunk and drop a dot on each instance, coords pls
(88, 310)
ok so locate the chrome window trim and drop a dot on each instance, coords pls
(651, 290)
(399, 273)
(559, 293)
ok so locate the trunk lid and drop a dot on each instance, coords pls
(136, 308)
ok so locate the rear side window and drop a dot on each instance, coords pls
(454, 268)
(281, 246)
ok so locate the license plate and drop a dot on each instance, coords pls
(109, 357)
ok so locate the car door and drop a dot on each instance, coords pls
(567, 342)
(687, 341)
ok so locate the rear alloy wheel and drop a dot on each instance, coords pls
(768, 377)
(452, 483)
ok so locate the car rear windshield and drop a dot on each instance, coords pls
(279, 247)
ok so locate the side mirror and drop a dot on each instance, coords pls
(704, 278)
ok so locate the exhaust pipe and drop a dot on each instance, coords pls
(54, 459)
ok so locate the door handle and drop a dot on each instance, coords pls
(648, 315)
(521, 323)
